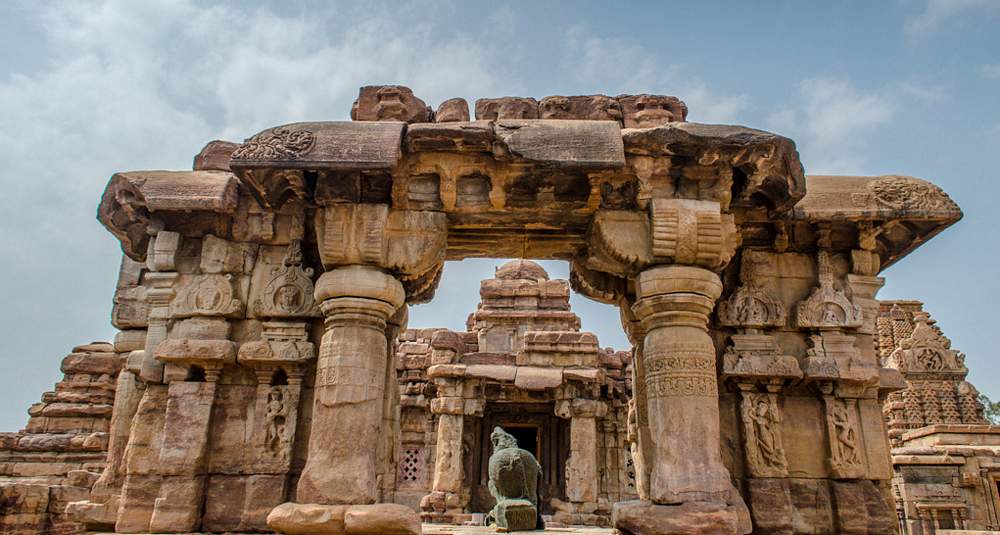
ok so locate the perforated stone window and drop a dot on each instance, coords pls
(411, 466)
(629, 472)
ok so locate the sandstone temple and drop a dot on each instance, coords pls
(263, 378)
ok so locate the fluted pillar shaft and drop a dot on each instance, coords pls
(350, 386)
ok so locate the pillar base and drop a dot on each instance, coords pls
(440, 507)
(315, 519)
(646, 518)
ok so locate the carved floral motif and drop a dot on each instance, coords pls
(277, 143)
(902, 192)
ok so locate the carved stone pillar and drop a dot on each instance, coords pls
(753, 361)
(391, 435)
(680, 384)
(159, 297)
(347, 411)
(277, 361)
(128, 392)
(690, 488)
(445, 500)
(582, 476)
(638, 417)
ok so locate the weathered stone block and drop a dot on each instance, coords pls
(389, 103)
(492, 109)
(644, 518)
(381, 519)
(452, 110)
(214, 156)
(584, 107)
(560, 143)
(307, 519)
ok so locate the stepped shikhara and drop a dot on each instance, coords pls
(262, 295)
(946, 455)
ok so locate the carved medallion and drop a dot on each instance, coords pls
(207, 295)
(281, 143)
(927, 352)
(289, 289)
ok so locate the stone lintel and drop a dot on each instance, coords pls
(331, 145)
(561, 144)
(212, 353)
(928, 460)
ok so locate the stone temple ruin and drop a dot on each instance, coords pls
(263, 378)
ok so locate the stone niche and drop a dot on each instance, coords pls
(261, 386)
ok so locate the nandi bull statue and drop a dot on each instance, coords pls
(514, 475)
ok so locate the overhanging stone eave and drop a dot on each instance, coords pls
(888, 203)
(131, 197)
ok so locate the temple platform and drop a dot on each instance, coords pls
(448, 529)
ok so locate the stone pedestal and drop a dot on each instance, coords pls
(678, 375)
(347, 411)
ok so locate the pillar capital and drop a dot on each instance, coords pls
(360, 281)
(676, 295)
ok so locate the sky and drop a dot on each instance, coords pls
(91, 88)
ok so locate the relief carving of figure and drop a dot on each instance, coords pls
(751, 305)
(845, 450)
(274, 419)
(632, 437)
(827, 307)
(288, 291)
(762, 420)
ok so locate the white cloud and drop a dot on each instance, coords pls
(615, 65)
(139, 85)
(991, 71)
(926, 93)
(121, 85)
(830, 122)
(938, 12)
